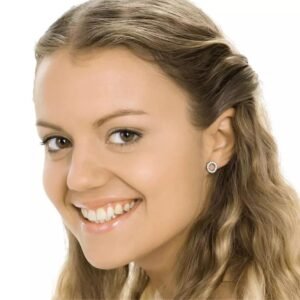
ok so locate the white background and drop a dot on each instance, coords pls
(32, 241)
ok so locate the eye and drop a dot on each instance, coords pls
(129, 136)
(55, 143)
(123, 137)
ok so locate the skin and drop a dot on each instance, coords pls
(166, 167)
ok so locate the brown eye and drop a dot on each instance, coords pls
(55, 143)
(125, 137)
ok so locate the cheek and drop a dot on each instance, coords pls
(173, 186)
(173, 193)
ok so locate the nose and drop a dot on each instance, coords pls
(87, 170)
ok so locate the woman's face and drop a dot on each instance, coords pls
(163, 162)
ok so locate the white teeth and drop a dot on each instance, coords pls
(92, 215)
(110, 213)
(102, 216)
(126, 207)
(118, 209)
(84, 212)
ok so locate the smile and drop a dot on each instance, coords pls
(104, 220)
(102, 215)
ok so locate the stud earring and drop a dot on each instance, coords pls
(211, 167)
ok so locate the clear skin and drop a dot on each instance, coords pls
(166, 166)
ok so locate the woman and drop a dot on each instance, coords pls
(194, 205)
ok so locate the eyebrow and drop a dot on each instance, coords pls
(99, 122)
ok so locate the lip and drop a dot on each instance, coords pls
(92, 205)
(96, 228)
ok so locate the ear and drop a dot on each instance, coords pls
(220, 138)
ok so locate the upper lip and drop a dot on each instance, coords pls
(93, 204)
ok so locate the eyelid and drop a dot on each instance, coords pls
(55, 135)
(48, 138)
(138, 133)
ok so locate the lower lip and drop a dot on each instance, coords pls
(97, 228)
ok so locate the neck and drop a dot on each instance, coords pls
(158, 293)
(160, 267)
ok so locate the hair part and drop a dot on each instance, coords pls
(250, 222)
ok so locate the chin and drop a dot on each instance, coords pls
(105, 262)
(104, 265)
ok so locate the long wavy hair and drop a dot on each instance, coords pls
(250, 222)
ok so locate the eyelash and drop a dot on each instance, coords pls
(138, 135)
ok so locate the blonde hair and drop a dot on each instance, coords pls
(250, 223)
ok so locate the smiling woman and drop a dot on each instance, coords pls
(159, 159)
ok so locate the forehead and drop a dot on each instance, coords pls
(112, 66)
(106, 79)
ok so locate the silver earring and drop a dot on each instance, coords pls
(211, 167)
